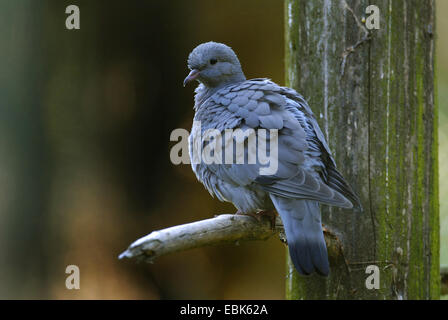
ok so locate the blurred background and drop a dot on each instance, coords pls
(85, 120)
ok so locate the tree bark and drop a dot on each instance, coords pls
(372, 92)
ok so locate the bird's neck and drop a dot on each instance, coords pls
(203, 92)
(238, 77)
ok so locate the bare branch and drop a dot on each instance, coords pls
(222, 229)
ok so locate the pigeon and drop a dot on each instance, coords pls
(306, 174)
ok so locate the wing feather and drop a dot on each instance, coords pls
(306, 169)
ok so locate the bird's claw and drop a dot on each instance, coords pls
(271, 214)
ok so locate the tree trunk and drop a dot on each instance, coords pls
(372, 92)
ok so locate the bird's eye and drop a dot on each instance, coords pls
(213, 61)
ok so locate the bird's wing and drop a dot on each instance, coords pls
(330, 173)
(261, 104)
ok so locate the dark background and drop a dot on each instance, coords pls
(85, 120)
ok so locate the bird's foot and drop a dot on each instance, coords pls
(251, 214)
(271, 214)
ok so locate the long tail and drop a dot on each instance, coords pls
(303, 228)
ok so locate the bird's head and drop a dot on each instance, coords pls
(214, 64)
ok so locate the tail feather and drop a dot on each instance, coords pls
(303, 228)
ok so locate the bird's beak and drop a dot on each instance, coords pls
(191, 76)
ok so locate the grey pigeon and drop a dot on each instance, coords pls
(306, 174)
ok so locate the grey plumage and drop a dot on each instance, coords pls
(306, 174)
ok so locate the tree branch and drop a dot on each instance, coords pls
(222, 229)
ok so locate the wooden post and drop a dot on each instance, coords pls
(372, 91)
